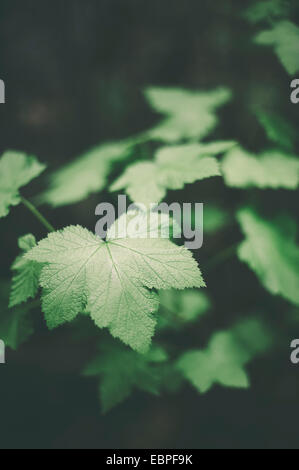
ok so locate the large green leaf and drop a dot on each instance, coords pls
(113, 280)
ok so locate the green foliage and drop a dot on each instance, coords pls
(224, 359)
(215, 218)
(270, 251)
(271, 169)
(137, 278)
(278, 130)
(267, 10)
(25, 281)
(189, 114)
(173, 167)
(284, 38)
(16, 324)
(179, 308)
(144, 224)
(121, 370)
(113, 280)
(85, 175)
(16, 171)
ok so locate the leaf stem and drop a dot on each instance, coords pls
(37, 214)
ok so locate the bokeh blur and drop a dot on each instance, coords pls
(75, 71)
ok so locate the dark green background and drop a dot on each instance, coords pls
(74, 73)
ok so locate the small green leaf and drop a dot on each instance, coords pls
(179, 308)
(271, 169)
(25, 281)
(271, 253)
(16, 324)
(278, 130)
(267, 10)
(173, 167)
(189, 114)
(284, 38)
(223, 361)
(16, 170)
(113, 280)
(85, 175)
(215, 218)
(121, 370)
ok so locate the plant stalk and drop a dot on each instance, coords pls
(37, 214)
